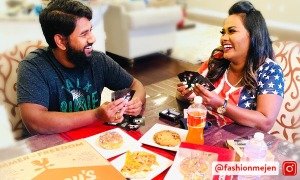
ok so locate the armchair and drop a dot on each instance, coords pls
(9, 61)
(134, 30)
(287, 125)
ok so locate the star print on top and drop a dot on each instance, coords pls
(270, 80)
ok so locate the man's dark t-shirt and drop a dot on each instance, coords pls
(43, 80)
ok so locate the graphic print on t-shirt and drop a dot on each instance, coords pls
(79, 96)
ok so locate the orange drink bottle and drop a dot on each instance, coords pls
(196, 121)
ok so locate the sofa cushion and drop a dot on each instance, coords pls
(287, 125)
(9, 61)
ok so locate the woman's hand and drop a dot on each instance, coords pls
(184, 91)
(134, 107)
(112, 111)
(210, 98)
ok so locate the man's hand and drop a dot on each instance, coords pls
(134, 107)
(112, 111)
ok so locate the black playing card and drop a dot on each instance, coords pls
(204, 82)
(188, 77)
(181, 77)
(130, 122)
(191, 77)
(124, 93)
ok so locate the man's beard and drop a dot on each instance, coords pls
(77, 57)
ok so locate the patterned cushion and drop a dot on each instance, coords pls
(287, 125)
(9, 61)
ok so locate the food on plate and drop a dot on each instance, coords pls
(138, 164)
(194, 168)
(167, 138)
(110, 140)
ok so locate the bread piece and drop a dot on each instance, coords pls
(167, 138)
(110, 140)
(138, 164)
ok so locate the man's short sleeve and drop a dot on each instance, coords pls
(115, 77)
(31, 87)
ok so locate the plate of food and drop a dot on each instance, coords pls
(165, 137)
(192, 164)
(112, 142)
(140, 163)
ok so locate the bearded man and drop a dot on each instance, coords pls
(59, 87)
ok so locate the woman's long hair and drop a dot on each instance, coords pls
(260, 45)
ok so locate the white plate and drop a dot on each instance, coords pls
(128, 142)
(147, 138)
(174, 171)
(163, 163)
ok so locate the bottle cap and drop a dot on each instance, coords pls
(198, 100)
(259, 136)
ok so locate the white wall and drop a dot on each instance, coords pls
(22, 28)
(279, 10)
(282, 16)
(13, 32)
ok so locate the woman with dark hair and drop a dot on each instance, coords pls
(249, 84)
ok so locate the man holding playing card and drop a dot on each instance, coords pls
(59, 87)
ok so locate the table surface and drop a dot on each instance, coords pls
(214, 136)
